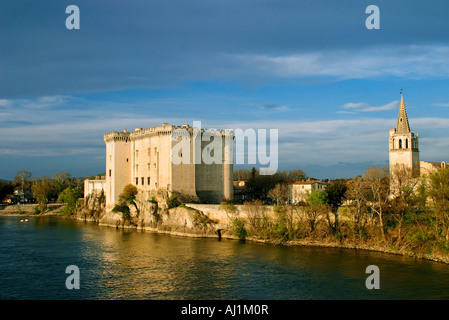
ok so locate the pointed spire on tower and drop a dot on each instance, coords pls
(402, 125)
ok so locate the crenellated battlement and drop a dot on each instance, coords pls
(165, 129)
(117, 136)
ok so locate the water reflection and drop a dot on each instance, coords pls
(122, 264)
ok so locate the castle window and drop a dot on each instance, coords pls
(110, 172)
(137, 181)
(400, 143)
(143, 181)
(406, 143)
(148, 180)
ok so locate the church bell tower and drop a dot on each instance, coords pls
(403, 146)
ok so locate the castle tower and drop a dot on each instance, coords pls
(403, 146)
(118, 165)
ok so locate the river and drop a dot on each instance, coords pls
(130, 264)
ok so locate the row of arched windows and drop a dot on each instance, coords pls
(404, 144)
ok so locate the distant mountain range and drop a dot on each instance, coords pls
(3, 180)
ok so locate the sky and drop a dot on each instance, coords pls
(309, 68)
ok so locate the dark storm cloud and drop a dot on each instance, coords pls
(166, 43)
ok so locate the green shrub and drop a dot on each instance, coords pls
(123, 207)
(239, 230)
(129, 193)
(173, 201)
(228, 206)
(70, 197)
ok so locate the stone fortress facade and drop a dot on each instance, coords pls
(404, 147)
(144, 158)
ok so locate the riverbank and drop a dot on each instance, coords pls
(308, 242)
(184, 230)
(53, 210)
(376, 248)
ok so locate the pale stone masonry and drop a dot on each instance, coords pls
(144, 158)
(427, 168)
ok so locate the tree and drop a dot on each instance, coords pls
(128, 194)
(335, 195)
(356, 196)
(439, 193)
(402, 186)
(126, 198)
(259, 185)
(61, 181)
(296, 175)
(257, 216)
(316, 206)
(22, 181)
(6, 188)
(279, 193)
(42, 188)
(377, 186)
(69, 196)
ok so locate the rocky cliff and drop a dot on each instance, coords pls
(153, 215)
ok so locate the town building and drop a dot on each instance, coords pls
(299, 190)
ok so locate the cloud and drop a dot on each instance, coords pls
(4, 102)
(269, 106)
(346, 112)
(411, 61)
(166, 44)
(365, 107)
(352, 105)
(441, 104)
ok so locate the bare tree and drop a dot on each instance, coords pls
(355, 195)
(257, 216)
(377, 186)
(356, 198)
(23, 180)
(279, 193)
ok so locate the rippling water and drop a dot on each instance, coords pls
(118, 264)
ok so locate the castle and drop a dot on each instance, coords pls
(146, 158)
(404, 147)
